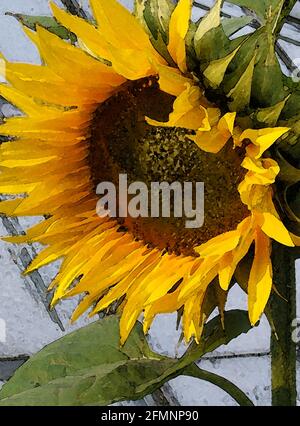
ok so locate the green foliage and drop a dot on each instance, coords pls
(248, 84)
(155, 16)
(89, 367)
(261, 8)
(47, 22)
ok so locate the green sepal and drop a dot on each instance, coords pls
(46, 22)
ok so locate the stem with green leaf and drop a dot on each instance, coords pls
(283, 311)
(236, 393)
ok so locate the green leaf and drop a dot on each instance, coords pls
(87, 366)
(260, 86)
(155, 16)
(232, 25)
(216, 70)
(262, 8)
(236, 323)
(270, 115)
(240, 95)
(47, 22)
(215, 45)
(267, 74)
(292, 107)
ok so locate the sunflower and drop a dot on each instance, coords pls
(112, 104)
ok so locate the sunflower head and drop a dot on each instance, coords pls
(157, 98)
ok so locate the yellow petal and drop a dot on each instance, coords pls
(86, 69)
(119, 27)
(226, 124)
(274, 228)
(263, 138)
(130, 63)
(230, 261)
(260, 279)
(220, 244)
(90, 36)
(166, 304)
(214, 140)
(179, 24)
(192, 323)
(21, 101)
(187, 112)
(172, 81)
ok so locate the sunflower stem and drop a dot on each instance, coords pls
(283, 311)
(236, 393)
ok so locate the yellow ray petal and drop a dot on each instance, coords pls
(41, 83)
(220, 244)
(260, 279)
(172, 81)
(263, 138)
(144, 266)
(187, 113)
(274, 228)
(119, 27)
(23, 102)
(201, 278)
(178, 28)
(86, 69)
(264, 170)
(214, 140)
(166, 304)
(231, 259)
(90, 36)
(48, 255)
(192, 317)
(130, 63)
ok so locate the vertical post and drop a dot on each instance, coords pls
(283, 349)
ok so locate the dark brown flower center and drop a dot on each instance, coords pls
(122, 142)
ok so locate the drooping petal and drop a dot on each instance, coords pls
(214, 140)
(260, 279)
(178, 28)
(187, 112)
(275, 229)
(263, 138)
(171, 80)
